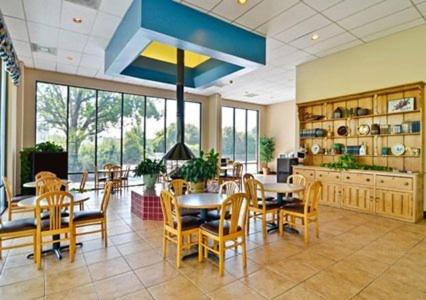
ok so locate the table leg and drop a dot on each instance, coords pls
(56, 249)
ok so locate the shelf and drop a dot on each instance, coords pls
(359, 136)
(362, 117)
(378, 156)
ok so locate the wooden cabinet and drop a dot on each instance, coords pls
(395, 183)
(358, 198)
(331, 194)
(307, 173)
(358, 178)
(394, 204)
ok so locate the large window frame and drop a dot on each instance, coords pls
(3, 133)
(123, 94)
(246, 162)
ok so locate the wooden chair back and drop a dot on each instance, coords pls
(253, 188)
(108, 166)
(297, 179)
(44, 174)
(83, 181)
(237, 170)
(106, 197)
(178, 187)
(116, 172)
(9, 193)
(246, 177)
(228, 188)
(313, 196)
(126, 172)
(236, 206)
(171, 213)
(50, 184)
(55, 203)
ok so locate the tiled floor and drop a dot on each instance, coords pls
(357, 256)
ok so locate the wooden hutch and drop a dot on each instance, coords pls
(334, 126)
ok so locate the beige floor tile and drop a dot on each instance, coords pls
(139, 295)
(143, 258)
(268, 283)
(366, 263)
(413, 277)
(235, 290)
(85, 292)
(17, 274)
(299, 293)
(177, 288)
(29, 289)
(157, 273)
(134, 247)
(68, 279)
(313, 259)
(54, 265)
(108, 268)
(125, 238)
(295, 270)
(118, 286)
(101, 255)
(356, 277)
(234, 266)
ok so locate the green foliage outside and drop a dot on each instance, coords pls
(348, 162)
(267, 149)
(240, 144)
(202, 168)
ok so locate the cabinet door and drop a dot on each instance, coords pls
(395, 204)
(331, 194)
(358, 198)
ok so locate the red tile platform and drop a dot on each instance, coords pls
(146, 204)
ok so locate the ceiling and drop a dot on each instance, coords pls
(288, 24)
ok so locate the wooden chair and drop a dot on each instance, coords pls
(55, 225)
(223, 232)
(299, 180)
(99, 179)
(16, 229)
(94, 217)
(237, 173)
(115, 177)
(125, 177)
(177, 229)
(227, 188)
(306, 212)
(44, 174)
(260, 206)
(12, 202)
(178, 187)
(81, 188)
(50, 184)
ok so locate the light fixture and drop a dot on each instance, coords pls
(77, 20)
(315, 36)
(242, 2)
(70, 58)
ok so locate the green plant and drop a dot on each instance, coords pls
(150, 167)
(201, 168)
(267, 149)
(348, 162)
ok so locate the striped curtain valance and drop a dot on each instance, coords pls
(8, 54)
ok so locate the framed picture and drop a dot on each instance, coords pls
(405, 104)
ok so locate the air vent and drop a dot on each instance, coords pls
(88, 3)
(250, 95)
(43, 49)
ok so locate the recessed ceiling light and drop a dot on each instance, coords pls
(70, 58)
(315, 36)
(77, 20)
(242, 2)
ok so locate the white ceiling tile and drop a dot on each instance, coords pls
(105, 25)
(375, 12)
(92, 61)
(22, 48)
(321, 4)
(205, 4)
(293, 59)
(17, 28)
(287, 19)
(395, 29)
(389, 21)
(12, 8)
(342, 47)
(422, 8)
(90, 72)
(418, 1)
(272, 44)
(114, 7)
(347, 8)
(45, 64)
(63, 68)
(303, 28)
(331, 42)
(27, 60)
(74, 41)
(42, 56)
(68, 57)
(70, 11)
(263, 12)
(96, 45)
(323, 33)
(43, 11)
(231, 9)
(43, 35)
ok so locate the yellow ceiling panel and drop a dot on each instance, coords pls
(166, 53)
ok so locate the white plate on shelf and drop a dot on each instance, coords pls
(315, 149)
(398, 149)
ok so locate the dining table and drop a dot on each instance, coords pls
(56, 249)
(203, 202)
(32, 184)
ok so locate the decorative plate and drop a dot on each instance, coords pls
(342, 131)
(398, 149)
(364, 129)
(316, 149)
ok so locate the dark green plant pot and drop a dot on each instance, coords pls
(150, 180)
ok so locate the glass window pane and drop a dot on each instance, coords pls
(109, 128)
(51, 118)
(133, 129)
(3, 118)
(155, 147)
(252, 135)
(171, 124)
(240, 135)
(82, 130)
(192, 126)
(228, 132)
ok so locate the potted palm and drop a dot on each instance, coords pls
(201, 169)
(150, 170)
(267, 149)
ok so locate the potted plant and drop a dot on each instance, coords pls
(150, 170)
(201, 169)
(267, 149)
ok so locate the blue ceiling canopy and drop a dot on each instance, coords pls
(231, 50)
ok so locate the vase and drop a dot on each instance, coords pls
(149, 180)
(197, 187)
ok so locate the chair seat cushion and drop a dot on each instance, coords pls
(189, 222)
(45, 215)
(45, 224)
(269, 204)
(292, 201)
(213, 215)
(296, 208)
(213, 227)
(18, 225)
(20, 198)
(85, 215)
(268, 198)
(189, 212)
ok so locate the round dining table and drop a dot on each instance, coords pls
(282, 188)
(56, 247)
(203, 202)
(32, 184)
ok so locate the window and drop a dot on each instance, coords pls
(3, 117)
(98, 127)
(240, 136)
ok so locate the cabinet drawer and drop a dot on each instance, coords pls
(308, 174)
(355, 178)
(395, 183)
(328, 176)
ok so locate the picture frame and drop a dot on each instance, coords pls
(401, 105)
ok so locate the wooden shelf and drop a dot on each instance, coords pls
(359, 136)
(378, 156)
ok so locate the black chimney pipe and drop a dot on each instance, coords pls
(180, 151)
